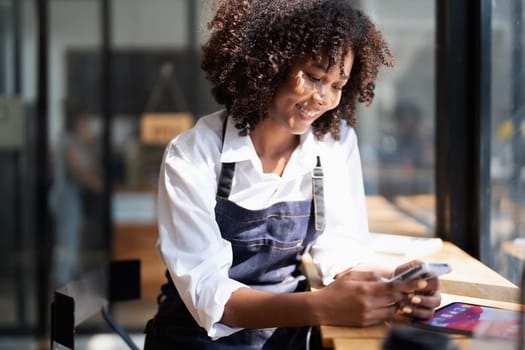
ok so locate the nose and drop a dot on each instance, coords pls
(320, 96)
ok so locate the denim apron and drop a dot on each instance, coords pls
(267, 247)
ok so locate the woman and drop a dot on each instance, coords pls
(77, 188)
(243, 193)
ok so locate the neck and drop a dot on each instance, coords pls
(273, 148)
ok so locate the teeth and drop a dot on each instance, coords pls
(309, 114)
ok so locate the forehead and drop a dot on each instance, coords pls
(343, 63)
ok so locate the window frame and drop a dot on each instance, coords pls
(463, 73)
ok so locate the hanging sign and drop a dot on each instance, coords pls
(160, 128)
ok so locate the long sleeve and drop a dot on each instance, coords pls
(196, 255)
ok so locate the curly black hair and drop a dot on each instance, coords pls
(254, 43)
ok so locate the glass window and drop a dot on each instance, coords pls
(158, 91)
(397, 132)
(507, 171)
(18, 282)
(76, 193)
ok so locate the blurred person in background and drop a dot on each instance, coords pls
(76, 191)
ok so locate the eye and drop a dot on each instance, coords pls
(313, 78)
(338, 88)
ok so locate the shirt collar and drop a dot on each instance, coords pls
(238, 148)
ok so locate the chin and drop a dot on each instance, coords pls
(300, 130)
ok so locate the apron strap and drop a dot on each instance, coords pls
(224, 184)
(225, 180)
(318, 195)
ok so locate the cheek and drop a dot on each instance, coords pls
(301, 84)
(334, 101)
(292, 90)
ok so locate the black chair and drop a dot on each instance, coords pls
(91, 293)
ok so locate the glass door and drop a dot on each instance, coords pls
(75, 135)
(18, 219)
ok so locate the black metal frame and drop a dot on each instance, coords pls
(462, 120)
(21, 283)
(484, 110)
(42, 239)
(106, 112)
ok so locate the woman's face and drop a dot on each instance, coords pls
(309, 91)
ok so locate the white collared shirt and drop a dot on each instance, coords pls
(190, 242)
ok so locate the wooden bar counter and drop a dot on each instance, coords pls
(470, 281)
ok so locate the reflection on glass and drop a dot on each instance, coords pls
(397, 132)
(507, 229)
(404, 153)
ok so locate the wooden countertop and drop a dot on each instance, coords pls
(385, 216)
(469, 281)
(372, 337)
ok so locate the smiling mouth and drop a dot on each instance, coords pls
(308, 114)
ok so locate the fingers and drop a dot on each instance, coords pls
(377, 309)
(368, 299)
(422, 301)
(406, 266)
(393, 299)
(360, 301)
(357, 275)
(420, 306)
(429, 302)
(431, 287)
(412, 305)
(342, 273)
(371, 286)
(406, 286)
(397, 286)
(421, 286)
(421, 297)
(379, 314)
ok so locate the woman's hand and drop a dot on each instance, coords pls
(421, 302)
(363, 298)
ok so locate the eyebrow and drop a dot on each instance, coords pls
(324, 69)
